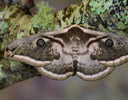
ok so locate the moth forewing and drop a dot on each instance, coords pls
(70, 51)
(30, 61)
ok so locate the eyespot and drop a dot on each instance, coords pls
(93, 57)
(57, 56)
(109, 43)
(40, 43)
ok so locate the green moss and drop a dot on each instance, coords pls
(43, 20)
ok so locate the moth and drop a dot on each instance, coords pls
(91, 55)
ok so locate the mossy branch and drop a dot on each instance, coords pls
(16, 23)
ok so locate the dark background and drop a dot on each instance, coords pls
(113, 87)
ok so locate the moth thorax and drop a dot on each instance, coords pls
(75, 41)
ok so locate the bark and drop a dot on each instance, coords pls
(16, 24)
(17, 21)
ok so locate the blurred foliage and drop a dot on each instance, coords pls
(3, 26)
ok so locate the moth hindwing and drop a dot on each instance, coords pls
(91, 55)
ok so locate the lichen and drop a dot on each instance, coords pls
(117, 10)
(43, 20)
(100, 6)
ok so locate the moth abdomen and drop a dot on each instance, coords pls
(75, 62)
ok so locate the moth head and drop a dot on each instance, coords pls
(35, 47)
(70, 51)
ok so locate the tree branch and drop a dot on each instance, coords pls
(12, 72)
(15, 23)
